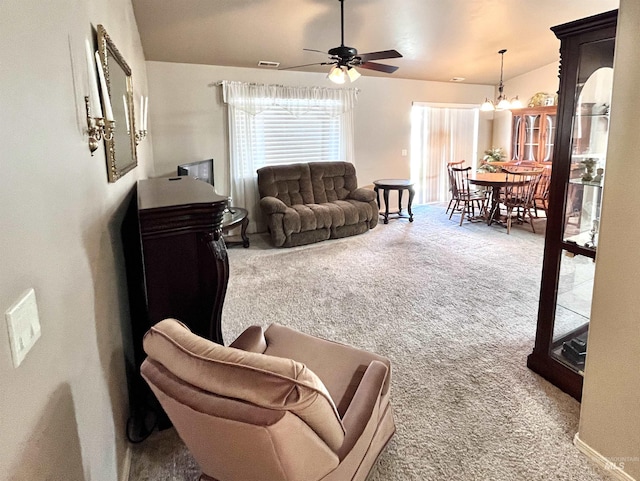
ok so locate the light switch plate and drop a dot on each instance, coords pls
(23, 325)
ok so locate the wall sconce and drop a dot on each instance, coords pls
(98, 127)
(144, 111)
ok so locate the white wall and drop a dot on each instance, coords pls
(610, 415)
(188, 119)
(544, 79)
(63, 411)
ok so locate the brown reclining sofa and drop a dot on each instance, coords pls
(313, 201)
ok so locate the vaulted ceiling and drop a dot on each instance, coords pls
(439, 39)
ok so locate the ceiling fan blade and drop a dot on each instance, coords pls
(378, 66)
(307, 65)
(314, 50)
(379, 55)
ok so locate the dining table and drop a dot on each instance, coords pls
(496, 181)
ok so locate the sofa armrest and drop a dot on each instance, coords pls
(272, 205)
(251, 340)
(362, 194)
(362, 405)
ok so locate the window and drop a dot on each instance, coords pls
(275, 124)
(289, 133)
(440, 133)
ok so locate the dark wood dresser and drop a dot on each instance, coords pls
(177, 266)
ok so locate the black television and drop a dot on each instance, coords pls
(201, 170)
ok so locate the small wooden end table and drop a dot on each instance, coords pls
(394, 184)
(231, 218)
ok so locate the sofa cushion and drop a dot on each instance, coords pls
(332, 180)
(336, 213)
(266, 381)
(307, 217)
(350, 211)
(289, 183)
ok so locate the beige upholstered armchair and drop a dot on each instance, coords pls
(276, 405)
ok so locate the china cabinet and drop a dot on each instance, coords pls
(579, 167)
(533, 132)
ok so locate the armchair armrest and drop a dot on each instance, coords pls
(362, 194)
(362, 405)
(251, 340)
(272, 205)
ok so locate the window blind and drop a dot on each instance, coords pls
(279, 136)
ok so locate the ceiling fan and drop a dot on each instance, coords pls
(344, 59)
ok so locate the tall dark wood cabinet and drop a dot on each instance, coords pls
(579, 168)
(177, 266)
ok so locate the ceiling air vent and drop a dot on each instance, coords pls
(266, 63)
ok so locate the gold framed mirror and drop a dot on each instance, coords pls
(121, 146)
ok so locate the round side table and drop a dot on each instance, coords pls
(233, 217)
(394, 184)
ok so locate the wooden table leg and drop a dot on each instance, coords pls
(412, 193)
(495, 203)
(385, 194)
(243, 232)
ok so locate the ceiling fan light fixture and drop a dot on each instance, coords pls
(353, 74)
(344, 59)
(337, 75)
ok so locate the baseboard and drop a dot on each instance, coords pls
(612, 466)
(126, 465)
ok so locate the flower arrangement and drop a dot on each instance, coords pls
(492, 155)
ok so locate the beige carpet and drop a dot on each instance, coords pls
(454, 308)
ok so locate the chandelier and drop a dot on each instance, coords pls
(501, 103)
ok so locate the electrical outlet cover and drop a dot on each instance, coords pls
(23, 325)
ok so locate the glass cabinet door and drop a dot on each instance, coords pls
(531, 137)
(590, 132)
(573, 310)
(588, 160)
(579, 165)
(549, 137)
(533, 133)
(516, 149)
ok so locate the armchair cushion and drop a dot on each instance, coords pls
(252, 340)
(263, 380)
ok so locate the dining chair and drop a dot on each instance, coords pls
(530, 164)
(453, 201)
(467, 199)
(541, 196)
(519, 194)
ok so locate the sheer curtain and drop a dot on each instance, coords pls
(263, 120)
(440, 133)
